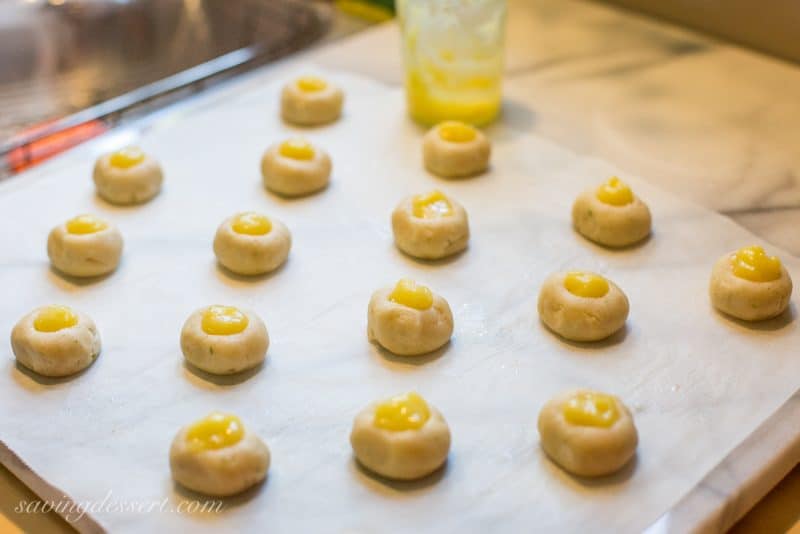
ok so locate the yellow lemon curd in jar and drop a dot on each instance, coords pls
(587, 285)
(299, 149)
(409, 293)
(590, 408)
(431, 205)
(54, 318)
(223, 320)
(752, 263)
(85, 224)
(615, 192)
(402, 412)
(311, 84)
(456, 132)
(127, 157)
(251, 223)
(215, 431)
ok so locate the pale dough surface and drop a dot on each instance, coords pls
(60, 353)
(612, 226)
(406, 331)
(586, 450)
(400, 454)
(92, 254)
(581, 318)
(744, 299)
(219, 472)
(294, 177)
(134, 185)
(224, 354)
(433, 238)
(311, 108)
(455, 160)
(252, 254)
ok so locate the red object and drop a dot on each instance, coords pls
(40, 149)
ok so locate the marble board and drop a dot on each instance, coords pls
(698, 383)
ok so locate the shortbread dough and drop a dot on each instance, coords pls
(409, 319)
(128, 176)
(55, 341)
(587, 433)
(595, 310)
(311, 101)
(430, 226)
(761, 289)
(402, 438)
(454, 149)
(249, 243)
(295, 167)
(224, 340)
(611, 215)
(85, 246)
(218, 456)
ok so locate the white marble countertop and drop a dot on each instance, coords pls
(710, 121)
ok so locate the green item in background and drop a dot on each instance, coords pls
(372, 10)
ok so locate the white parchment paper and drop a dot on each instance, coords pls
(698, 383)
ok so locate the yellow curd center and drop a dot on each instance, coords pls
(311, 84)
(589, 408)
(403, 412)
(85, 224)
(297, 149)
(54, 318)
(752, 263)
(215, 431)
(615, 192)
(588, 285)
(251, 223)
(223, 320)
(456, 132)
(127, 157)
(431, 205)
(409, 293)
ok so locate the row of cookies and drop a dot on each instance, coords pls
(588, 433)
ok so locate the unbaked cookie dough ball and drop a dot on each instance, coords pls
(582, 306)
(401, 438)
(311, 101)
(611, 215)
(127, 176)
(249, 243)
(224, 340)
(409, 319)
(750, 285)
(295, 167)
(218, 456)
(55, 341)
(430, 226)
(85, 246)
(587, 433)
(454, 149)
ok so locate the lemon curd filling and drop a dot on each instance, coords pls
(615, 192)
(127, 157)
(297, 149)
(215, 431)
(402, 412)
(409, 293)
(456, 132)
(752, 263)
(251, 223)
(589, 408)
(431, 205)
(54, 318)
(311, 84)
(223, 320)
(85, 224)
(587, 285)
